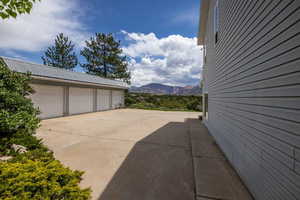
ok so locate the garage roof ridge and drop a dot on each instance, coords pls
(54, 72)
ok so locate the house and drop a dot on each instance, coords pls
(251, 77)
(60, 92)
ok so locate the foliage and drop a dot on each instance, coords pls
(38, 174)
(12, 8)
(104, 58)
(17, 114)
(62, 54)
(163, 102)
(20, 138)
(35, 174)
(35, 180)
(39, 154)
(194, 104)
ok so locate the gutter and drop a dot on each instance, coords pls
(60, 80)
(203, 21)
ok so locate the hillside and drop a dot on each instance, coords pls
(156, 88)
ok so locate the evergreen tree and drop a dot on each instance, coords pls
(104, 58)
(62, 54)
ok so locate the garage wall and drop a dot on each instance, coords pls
(103, 99)
(49, 100)
(57, 101)
(80, 100)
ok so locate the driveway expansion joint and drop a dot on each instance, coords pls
(210, 198)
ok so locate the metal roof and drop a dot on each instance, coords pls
(38, 70)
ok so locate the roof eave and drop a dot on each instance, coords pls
(43, 78)
(203, 21)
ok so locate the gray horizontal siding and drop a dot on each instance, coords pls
(253, 83)
(246, 58)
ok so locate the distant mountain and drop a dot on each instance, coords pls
(156, 88)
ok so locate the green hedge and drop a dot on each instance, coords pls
(36, 180)
(163, 102)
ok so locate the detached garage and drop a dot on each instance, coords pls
(60, 92)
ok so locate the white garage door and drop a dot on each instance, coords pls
(80, 100)
(103, 100)
(49, 99)
(117, 98)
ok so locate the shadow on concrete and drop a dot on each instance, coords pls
(159, 167)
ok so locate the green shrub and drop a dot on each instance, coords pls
(36, 180)
(143, 106)
(34, 175)
(21, 138)
(129, 100)
(17, 114)
(163, 102)
(43, 155)
(194, 105)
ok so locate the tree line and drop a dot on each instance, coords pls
(103, 56)
(163, 102)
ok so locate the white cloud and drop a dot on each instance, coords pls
(37, 30)
(173, 60)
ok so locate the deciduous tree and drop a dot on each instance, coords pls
(13, 8)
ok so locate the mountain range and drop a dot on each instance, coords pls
(157, 88)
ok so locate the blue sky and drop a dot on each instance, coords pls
(163, 17)
(158, 36)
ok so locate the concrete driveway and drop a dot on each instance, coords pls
(126, 154)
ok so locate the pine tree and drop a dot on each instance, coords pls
(62, 54)
(104, 58)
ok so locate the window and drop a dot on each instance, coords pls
(216, 22)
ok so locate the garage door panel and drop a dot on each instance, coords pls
(103, 99)
(117, 99)
(80, 100)
(48, 99)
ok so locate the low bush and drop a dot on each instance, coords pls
(36, 180)
(43, 155)
(194, 105)
(21, 138)
(163, 102)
